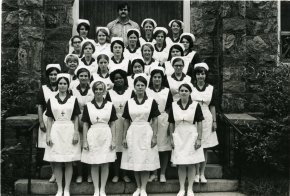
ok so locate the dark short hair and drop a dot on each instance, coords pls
(189, 39)
(65, 78)
(85, 44)
(178, 22)
(87, 27)
(76, 36)
(186, 86)
(130, 72)
(51, 69)
(103, 56)
(199, 70)
(157, 32)
(164, 80)
(118, 42)
(141, 79)
(177, 59)
(134, 32)
(175, 46)
(123, 75)
(81, 70)
(123, 5)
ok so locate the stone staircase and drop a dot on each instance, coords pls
(216, 186)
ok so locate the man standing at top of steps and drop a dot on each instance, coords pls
(120, 26)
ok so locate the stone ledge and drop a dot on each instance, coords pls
(43, 187)
(20, 121)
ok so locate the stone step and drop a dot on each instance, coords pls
(212, 171)
(163, 194)
(43, 187)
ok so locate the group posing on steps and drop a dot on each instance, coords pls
(134, 100)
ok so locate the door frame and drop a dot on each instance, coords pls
(186, 15)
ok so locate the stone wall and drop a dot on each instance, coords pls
(237, 39)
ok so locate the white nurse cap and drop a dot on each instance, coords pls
(160, 29)
(142, 75)
(63, 75)
(83, 21)
(175, 20)
(135, 30)
(57, 66)
(117, 39)
(149, 19)
(82, 67)
(105, 28)
(176, 57)
(189, 34)
(178, 44)
(204, 65)
(157, 68)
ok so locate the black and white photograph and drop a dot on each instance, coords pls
(145, 97)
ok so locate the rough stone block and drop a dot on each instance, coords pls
(234, 24)
(59, 34)
(232, 73)
(57, 16)
(234, 87)
(233, 102)
(9, 5)
(205, 45)
(257, 44)
(30, 3)
(26, 32)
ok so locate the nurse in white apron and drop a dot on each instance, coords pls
(136, 67)
(204, 94)
(133, 50)
(162, 45)
(140, 152)
(178, 77)
(87, 59)
(72, 62)
(99, 137)
(103, 45)
(190, 55)
(84, 94)
(147, 51)
(162, 95)
(148, 25)
(46, 91)
(176, 27)
(185, 127)
(118, 61)
(62, 137)
(118, 96)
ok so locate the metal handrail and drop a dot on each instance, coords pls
(30, 130)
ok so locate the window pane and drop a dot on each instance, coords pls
(285, 15)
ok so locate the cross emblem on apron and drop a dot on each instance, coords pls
(62, 113)
(97, 119)
(120, 106)
(202, 102)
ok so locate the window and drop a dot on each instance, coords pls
(285, 31)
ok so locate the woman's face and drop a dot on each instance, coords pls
(88, 50)
(137, 68)
(148, 28)
(132, 39)
(175, 27)
(72, 64)
(185, 43)
(200, 76)
(52, 76)
(160, 38)
(84, 78)
(140, 87)
(117, 49)
(62, 85)
(103, 64)
(175, 52)
(184, 92)
(102, 38)
(99, 90)
(119, 80)
(77, 44)
(83, 31)
(147, 53)
(178, 67)
(157, 79)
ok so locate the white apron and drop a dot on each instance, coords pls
(189, 56)
(163, 139)
(102, 49)
(185, 136)
(209, 138)
(139, 156)
(47, 93)
(122, 65)
(62, 132)
(169, 70)
(174, 86)
(143, 41)
(119, 102)
(148, 68)
(132, 55)
(99, 136)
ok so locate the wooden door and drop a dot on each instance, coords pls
(101, 12)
